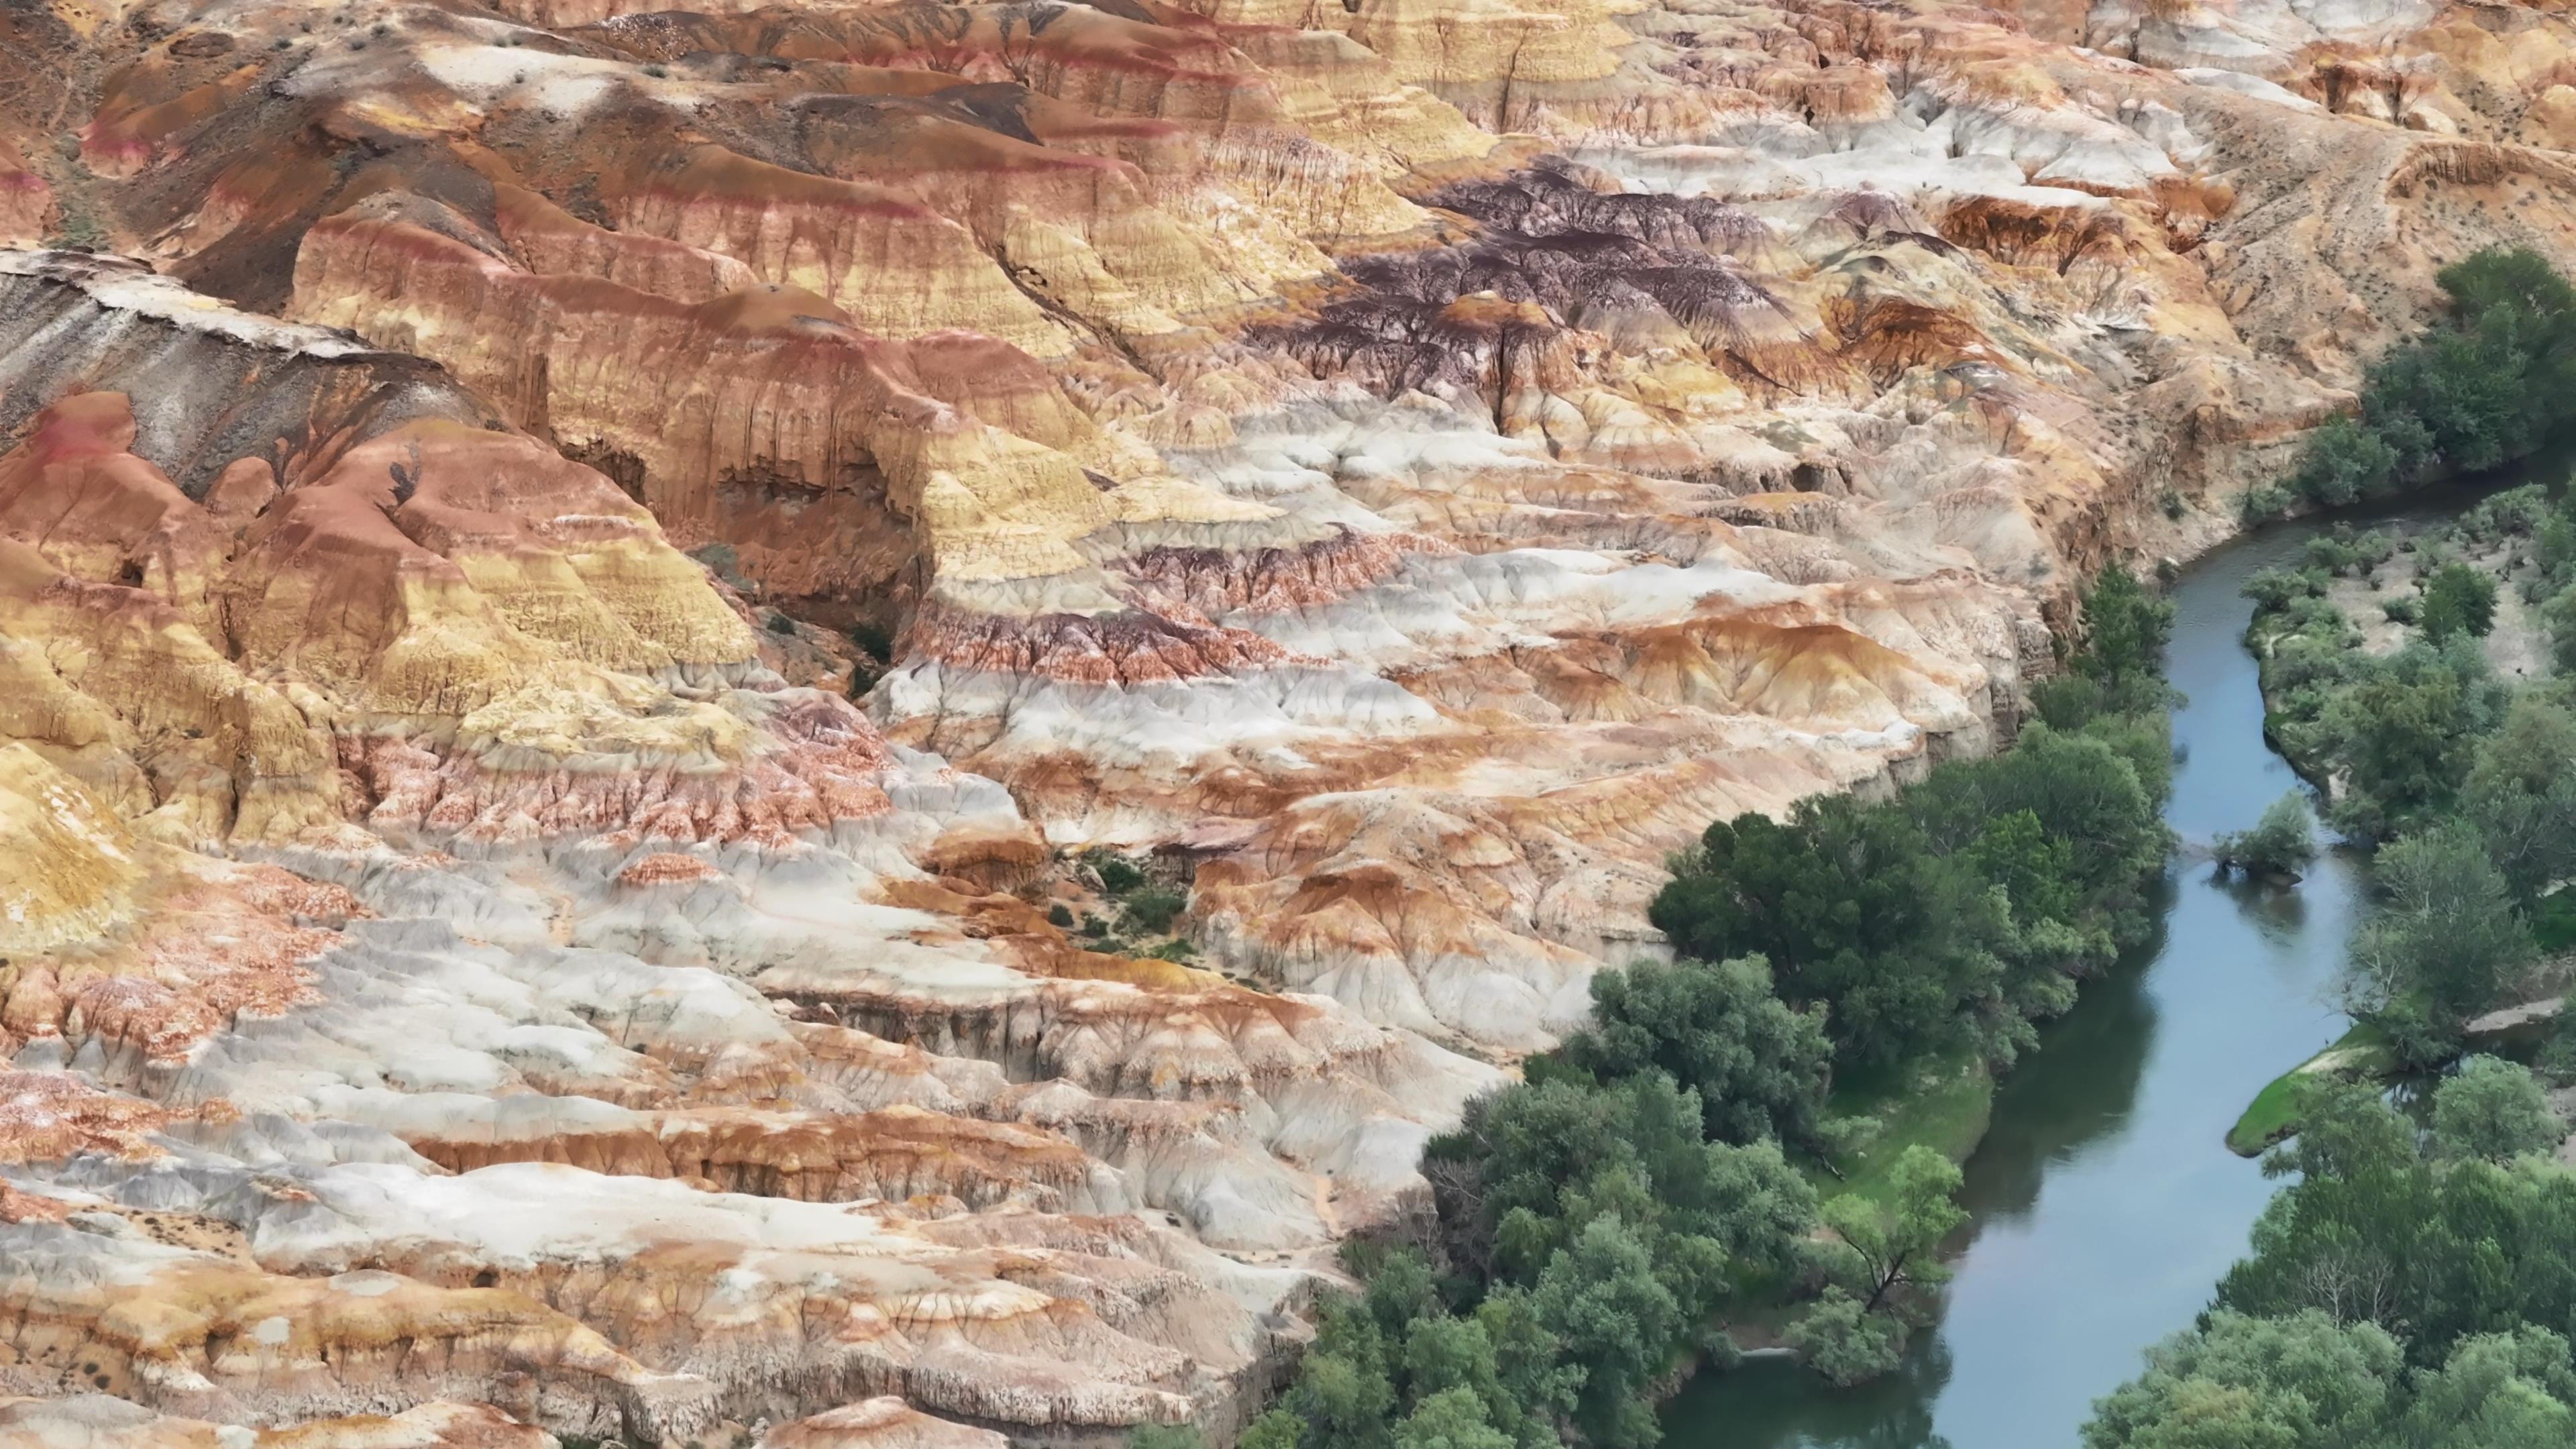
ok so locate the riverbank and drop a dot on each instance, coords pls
(2349, 705)
(2104, 1202)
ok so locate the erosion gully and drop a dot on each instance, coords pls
(2104, 1202)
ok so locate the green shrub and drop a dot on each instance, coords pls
(2281, 843)
(2275, 589)
(2340, 551)
(1118, 874)
(1149, 910)
(2262, 503)
(2458, 599)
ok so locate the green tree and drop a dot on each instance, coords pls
(1837, 900)
(1889, 1245)
(2458, 599)
(2343, 460)
(2494, 1110)
(1845, 1342)
(2434, 1245)
(2126, 627)
(1601, 1299)
(2497, 1391)
(1759, 1065)
(2281, 843)
(2447, 944)
(2239, 1382)
(1444, 1355)
(1277, 1429)
(1343, 1395)
(2085, 792)
(1531, 1165)
(1528, 1364)
(2521, 795)
(1450, 1419)
(2404, 733)
(2558, 616)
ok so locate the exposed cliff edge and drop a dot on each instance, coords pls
(573, 577)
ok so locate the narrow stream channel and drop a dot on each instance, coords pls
(2105, 1202)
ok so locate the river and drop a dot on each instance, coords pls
(2104, 1202)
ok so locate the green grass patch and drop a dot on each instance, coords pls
(1943, 1103)
(2363, 1051)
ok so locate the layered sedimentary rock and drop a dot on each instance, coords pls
(574, 579)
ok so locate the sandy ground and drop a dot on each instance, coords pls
(2517, 646)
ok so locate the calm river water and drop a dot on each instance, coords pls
(2105, 1202)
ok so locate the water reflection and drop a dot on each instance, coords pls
(2278, 913)
(1773, 1403)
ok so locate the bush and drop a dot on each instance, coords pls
(1060, 915)
(2274, 590)
(78, 231)
(2340, 551)
(2262, 503)
(1149, 910)
(1844, 1342)
(2280, 844)
(2404, 731)
(2558, 616)
(2513, 513)
(2494, 1111)
(2344, 460)
(2458, 599)
(2400, 611)
(1118, 874)
(2446, 945)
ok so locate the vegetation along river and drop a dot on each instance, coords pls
(2105, 1203)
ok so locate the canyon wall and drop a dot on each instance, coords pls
(580, 587)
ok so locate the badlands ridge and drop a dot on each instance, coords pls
(575, 581)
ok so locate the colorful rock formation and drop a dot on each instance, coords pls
(575, 579)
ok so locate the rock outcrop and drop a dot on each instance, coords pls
(576, 579)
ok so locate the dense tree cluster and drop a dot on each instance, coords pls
(1966, 907)
(2406, 1291)
(1596, 1216)
(2490, 385)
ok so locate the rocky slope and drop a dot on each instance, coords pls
(572, 578)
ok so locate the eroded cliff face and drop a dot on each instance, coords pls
(568, 590)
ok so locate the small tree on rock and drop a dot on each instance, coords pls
(2280, 844)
